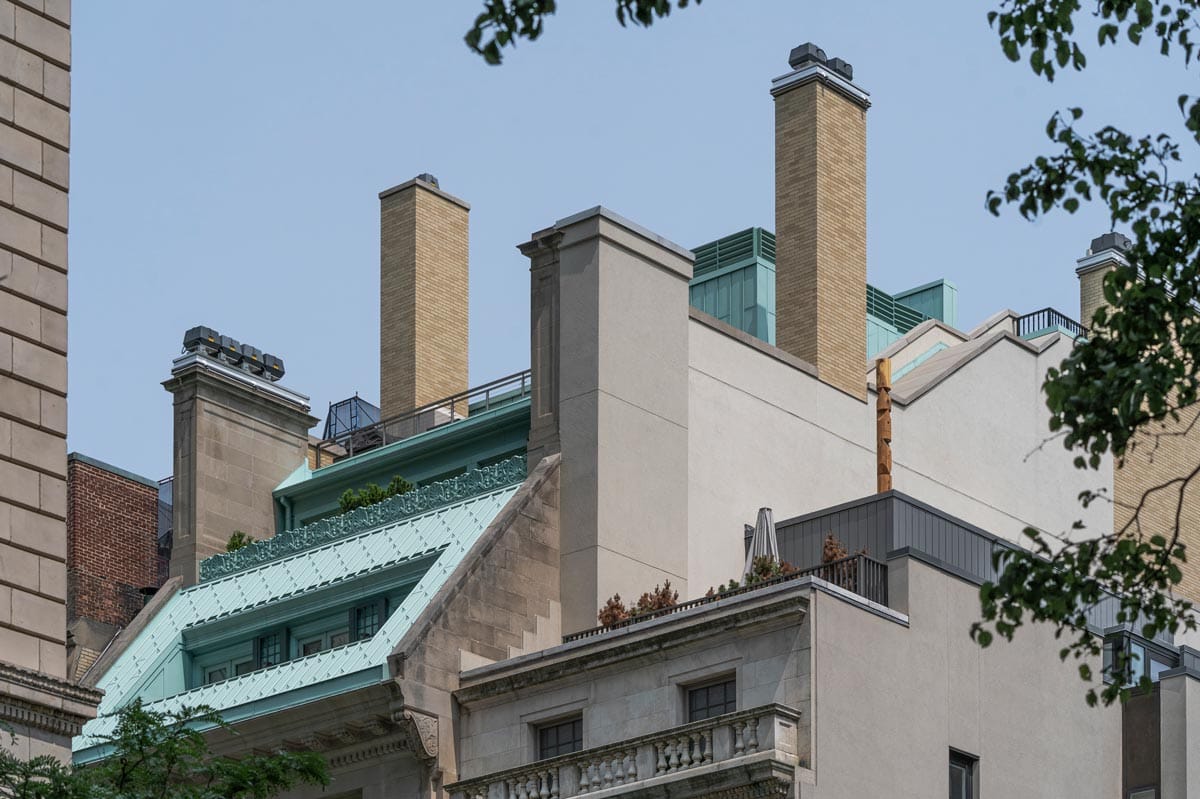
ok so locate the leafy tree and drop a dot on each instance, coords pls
(1135, 377)
(238, 540)
(503, 22)
(156, 755)
(372, 493)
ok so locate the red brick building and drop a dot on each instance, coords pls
(112, 554)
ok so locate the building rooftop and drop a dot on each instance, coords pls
(404, 547)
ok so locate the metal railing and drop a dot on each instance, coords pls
(884, 306)
(1048, 319)
(664, 756)
(452, 409)
(860, 574)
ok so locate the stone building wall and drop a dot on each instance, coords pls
(35, 98)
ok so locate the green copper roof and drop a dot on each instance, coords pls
(435, 541)
(420, 500)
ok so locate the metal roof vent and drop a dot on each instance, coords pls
(1111, 241)
(842, 68)
(807, 53)
(428, 178)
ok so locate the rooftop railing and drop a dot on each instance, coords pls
(860, 574)
(454, 408)
(1048, 319)
(651, 764)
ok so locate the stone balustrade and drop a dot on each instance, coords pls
(700, 749)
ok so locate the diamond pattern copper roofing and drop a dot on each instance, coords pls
(453, 529)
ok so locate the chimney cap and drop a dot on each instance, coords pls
(841, 67)
(805, 54)
(1110, 241)
(426, 177)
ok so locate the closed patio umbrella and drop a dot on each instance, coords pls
(763, 541)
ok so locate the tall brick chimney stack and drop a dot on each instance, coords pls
(821, 217)
(422, 295)
(1105, 253)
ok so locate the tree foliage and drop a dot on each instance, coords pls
(503, 22)
(1126, 385)
(372, 493)
(238, 540)
(156, 755)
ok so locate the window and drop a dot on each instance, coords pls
(714, 699)
(366, 619)
(340, 638)
(962, 776)
(269, 650)
(245, 667)
(560, 738)
(215, 675)
(311, 647)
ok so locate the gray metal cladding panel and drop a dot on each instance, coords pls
(859, 525)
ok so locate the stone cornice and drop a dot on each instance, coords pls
(47, 703)
(772, 605)
(44, 683)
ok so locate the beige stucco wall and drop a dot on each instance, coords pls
(763, 432)
(1180, 737)
(890, 701)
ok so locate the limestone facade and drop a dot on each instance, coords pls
(35, 102)
(237, 436)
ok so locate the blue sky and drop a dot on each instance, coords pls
(227, 157)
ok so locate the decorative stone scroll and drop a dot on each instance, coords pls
(421, 500)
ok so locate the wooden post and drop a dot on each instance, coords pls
(883, 423)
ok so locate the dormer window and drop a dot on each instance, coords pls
(367, 618)
(269, 649)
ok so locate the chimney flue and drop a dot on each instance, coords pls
(1106, 252)
(423, 277)
(821, 217)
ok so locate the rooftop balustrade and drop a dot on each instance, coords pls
(1048, 320)
(745, 748)
(860, 574)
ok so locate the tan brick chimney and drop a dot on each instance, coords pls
(422, 295)
(821, 217)
(1106, 252)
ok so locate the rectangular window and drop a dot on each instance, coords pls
(366, 619)
(310, 647)
(962, 776)
(711, 700)
(215, 674)
(340, 638)
(269, 650)
(245, 667)
(560, 738)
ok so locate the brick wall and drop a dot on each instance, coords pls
(1157, 455)
(423, 297)
(821, 232)
(112, 553)
(1091, 293)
